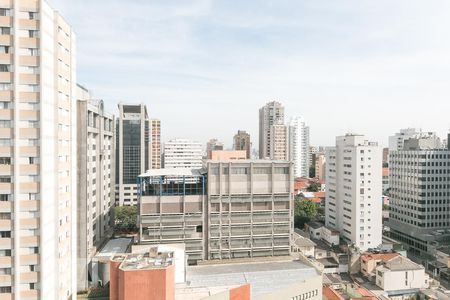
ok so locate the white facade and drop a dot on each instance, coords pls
(270, 114)
(299, 146)
(397, 141)
(183, 153)
(401, 274)
(353, 182)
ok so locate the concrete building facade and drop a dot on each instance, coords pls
(320, 167)
(241, 141)
(133, 150)
(396, 142)
(156, 143)
(95, 174)
(213, 145)
(270, 114)
(183, 153)
(353, 196)
(279, 142)
(232, 209)
(299, 146)
(228, 155)
(37, 152)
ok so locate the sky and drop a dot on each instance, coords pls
(205, 67)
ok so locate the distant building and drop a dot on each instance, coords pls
(95, 165)
(396, 142)
(320, 166)
(299, 146)
(385, 180)
(215, 210)
(385, 157)
(213, 145)
(133, 150)
(241, 141)
(369, 262)
(156, 143)
(228, 155)
(182, 153)
(313, 150)
(279, 142)
(353, 183)
(270, 114)
(348, 292)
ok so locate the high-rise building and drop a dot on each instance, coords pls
(133, 150)
(419, 182)
(396, 142)
(38, 194)
(233, 209)
(353, 196)
(213, 145)
(279, 142)
(156, 143)
(95, 163)
(270, 114)
(321, 167)
(299, 146)
(313, 150)
(241, 141)
(183, 153)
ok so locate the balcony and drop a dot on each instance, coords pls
(29, 5)
(5, 40)
(29, 277)
(31, 294)
(5, 280)
(29, 78)
(5, 59)
(6, 169)
(6, 95)
(5, 21)
(29, 96)
(29, 150)
(6, 77)
(29, 187)
(6, 187)
(5, 262)
(29, 223)
(29, 241)
(29, 169)
(5, 243)
(28, 60)
(5, 206)
(6, 114)
(6, 133)
(5, 225)
(32, 133)
(29, 259)
(29, 205)
(28, 24)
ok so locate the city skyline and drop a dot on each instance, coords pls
(331, 60)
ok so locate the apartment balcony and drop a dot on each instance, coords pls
(29, 187)
(5, 243)
(6, 296)
(6, 187)
(29, 259)
(6, 59)
(5, 225)
(29, 277)
(6, 40)
(29, 205)
(5, 21)
(29, 295)
(31, 133)
(5, 261)
(29, 78)
(6, 169)
(29, 169)
(29, 150)
(5, 280)
(6, 114)
(29, 223)
(28, 60)
(28, 24)
(6, 133)
(5, 206)
(29, 5)
(6, 77)
(29, 241)
(6, 95)
(29, 96)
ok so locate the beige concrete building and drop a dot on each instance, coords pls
(320, 167)
(156, 143)
(279, 142)
(96, 159)
(37, 153)
(270, 114)
(241, 141)
(133, 150)
(230, 209)
(228, 155)
(213, 145)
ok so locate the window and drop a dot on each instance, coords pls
(5, 179)
(239, 170)
(5, 86)
(4, 197)
(33, 52)
(5, 234)
(5, 160)
(281, 170)
(5, 30)
(33, 33)
(5, 12)
(32, 15)
(5, 105)
(4, 49)
(5, 68)
(5, 124)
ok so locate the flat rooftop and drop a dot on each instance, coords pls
(114, 246)
(172, 172)
(264, 277)
(145, 261)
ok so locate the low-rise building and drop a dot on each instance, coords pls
(401, 276)
(369, 262)
(227, 155)
(303, 245)
(347, 292)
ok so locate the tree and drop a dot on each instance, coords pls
(125, 218)
(305, 211)
(314, 187)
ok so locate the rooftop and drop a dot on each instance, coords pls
(114, 246)
(315, 225)
(279, 274)
(380, 256)
(172, 172)
(400, 263)
(301, 241)
(144, 261)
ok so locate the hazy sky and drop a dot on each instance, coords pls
(205, 67)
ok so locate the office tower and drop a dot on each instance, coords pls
(133, 150)
(232, 209)
(321, 167)
(270, 114)
(419, 197)
(353, 195)
(396, 141)
(156, 143)
(385, 157)
(183, 153)
(95, 162)
(312, 155)
(299, 146)
(241, 141)
(213, 145)
(37, 153)
(279, 142)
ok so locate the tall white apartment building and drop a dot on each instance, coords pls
(96, 160)
(353, 179)
(299, 146)
(270, 114)
(420, 212)
(38, 193)
(183, 153)
(279, 142)
(133, 150)
(397, 141)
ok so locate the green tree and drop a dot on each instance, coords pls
(313, 187)
(305, 211)
(125, 218)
